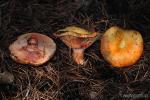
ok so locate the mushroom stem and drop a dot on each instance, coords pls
(78, 56)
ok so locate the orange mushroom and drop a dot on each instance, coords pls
(78, 39)
(121, 47)
(32, 48)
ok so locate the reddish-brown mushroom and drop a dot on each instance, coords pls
(78, 39)
(32, 48)
(121, 47)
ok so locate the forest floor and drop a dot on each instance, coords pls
(60, 78)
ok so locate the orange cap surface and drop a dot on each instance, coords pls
(121, 47)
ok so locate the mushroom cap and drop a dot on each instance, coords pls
(76, 37)
(32, 48)
(121, 47)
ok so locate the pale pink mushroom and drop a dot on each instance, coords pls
(32, 48)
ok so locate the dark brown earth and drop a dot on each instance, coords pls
(60, 78)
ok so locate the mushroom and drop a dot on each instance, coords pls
(32, 48)
(121, 47)
(78, 39)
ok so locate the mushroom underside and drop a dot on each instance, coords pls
(29, 53)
